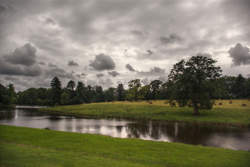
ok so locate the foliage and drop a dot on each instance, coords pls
(192, 82)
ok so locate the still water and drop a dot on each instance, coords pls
(196, 134)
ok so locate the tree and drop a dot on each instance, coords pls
(71, 85)
(133, 92)
(155, 88)
(56, 90)
(239, 87)
(192, 81)
(81, 93)
(120, 92)
(99, 95)
(109, 94)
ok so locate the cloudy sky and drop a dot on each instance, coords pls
(105, 42)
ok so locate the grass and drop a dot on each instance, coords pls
(222, 113)
(46, 148)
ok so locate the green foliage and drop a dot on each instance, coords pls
(193, 82)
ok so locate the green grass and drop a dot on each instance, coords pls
(44, 148)
(226, 113)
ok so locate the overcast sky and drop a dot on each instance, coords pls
(105, 42)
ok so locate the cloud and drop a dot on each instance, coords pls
(25, 55)
(240, 55)
(102, 62)
(155, 71)
(10, 69)
(99, 75)
(59, 72)
(172, 38)
(130, 68)
(113, 73)
(72, 63)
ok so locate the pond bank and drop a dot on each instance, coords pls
(219, 116)
(35, 147)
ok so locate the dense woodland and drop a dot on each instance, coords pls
(227, 87)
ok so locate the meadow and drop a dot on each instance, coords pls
(230, 112)
(44, 148)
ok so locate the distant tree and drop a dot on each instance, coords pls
(120, 92)
(109, 94)
(56, 91)
(145, 93)
(81, 93)
(5, 98)
(71, 85)
(192, 81)
(134, 87)
(99, 94)
(239, 87)
(155, 88)
(65, 98)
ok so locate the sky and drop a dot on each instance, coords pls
(106, 42)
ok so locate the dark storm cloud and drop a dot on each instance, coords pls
(10, 69)
(102, 62)
(172, 38)
(113, 73)
(25, 55)
(72, 63)
(99, 75)
(130, 68)
(240, 54)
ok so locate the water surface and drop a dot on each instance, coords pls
(190, 133)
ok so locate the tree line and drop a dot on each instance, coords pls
(182, 84)
(227, 87)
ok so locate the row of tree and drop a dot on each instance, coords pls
(227, 87)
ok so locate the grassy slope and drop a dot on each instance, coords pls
(34, 147)
(226, 113)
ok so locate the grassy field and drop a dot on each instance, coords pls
(224, 111)
(45, 148)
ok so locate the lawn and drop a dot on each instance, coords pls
(224, 111)
(46, 148)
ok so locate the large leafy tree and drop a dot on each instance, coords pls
(56, 90)
(191, 82)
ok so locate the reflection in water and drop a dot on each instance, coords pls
(190, 133)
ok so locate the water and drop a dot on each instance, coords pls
(196, 134)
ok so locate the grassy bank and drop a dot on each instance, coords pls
(35, 147)
(224, 112)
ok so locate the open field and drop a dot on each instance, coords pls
(222, 113)
(35, 147)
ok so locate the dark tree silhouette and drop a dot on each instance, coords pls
(155, 88)
(120, 92)
(191, 82)
(56, 91)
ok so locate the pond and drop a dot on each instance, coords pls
(189, 133)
